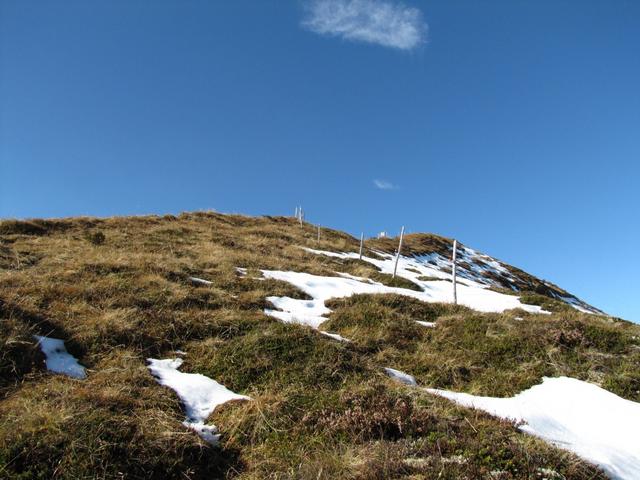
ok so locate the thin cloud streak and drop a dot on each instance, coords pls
(384, 185)
(381, 22)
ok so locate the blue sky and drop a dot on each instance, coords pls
(511, 125)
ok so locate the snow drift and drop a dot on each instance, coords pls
(595, 424)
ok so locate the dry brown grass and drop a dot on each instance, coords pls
(117, 291)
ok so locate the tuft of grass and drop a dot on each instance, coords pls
(96, 238)
(398, 282)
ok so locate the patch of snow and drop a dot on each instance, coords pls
(320, 288)
(304, 312)
(386, 263)
(58, 360)
(200, 395)
(474, 269)
(401, 376)
(481, 263)
(200, 281)
(426, 324)
(471, 293)
(578, 305)
(243, 272)
(595, 424)
(291, 310)
(335, 336)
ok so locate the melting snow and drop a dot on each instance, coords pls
(199, 394)
(335, 336)
(313, 312)
(578, 416)
(432, 265)
(58, 359)
(321, 288)
(474, 270)
(426, 324)
(480, 264)
(305, 312)
(578, 305)
(401, 376)
(471, 293)
(200, 281)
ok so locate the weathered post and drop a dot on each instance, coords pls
(453, 271)
(395, 267)
(318, 233)
(361, 244)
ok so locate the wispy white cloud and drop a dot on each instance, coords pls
(383, 22)
(384, 185)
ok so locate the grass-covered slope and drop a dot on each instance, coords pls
(118, 291)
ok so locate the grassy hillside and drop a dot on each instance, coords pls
(118, 291)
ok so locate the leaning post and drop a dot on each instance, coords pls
(395, 267)
(453, 271)
(361, 244)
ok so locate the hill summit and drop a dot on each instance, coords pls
(223, 346)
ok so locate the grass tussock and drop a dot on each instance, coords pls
(119, 290)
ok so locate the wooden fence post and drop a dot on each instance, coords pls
(395, 267)
(453, 271)
(361, 244)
